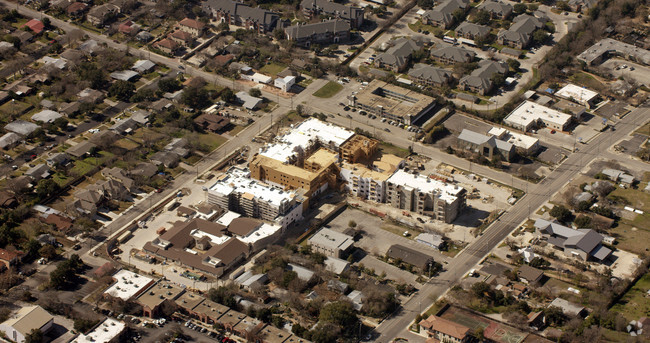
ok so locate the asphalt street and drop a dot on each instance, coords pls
(396, 325)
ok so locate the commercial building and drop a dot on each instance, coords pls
(331, 243)
(108, 331)
(578, 94)
(530, 115)
(424, 195)
(353, 15)
(487, 146)
(161, 294)
(608, 47)
(585, 244)
(392, 102)
(523, 144)
(28, 318)
(128, 285)
(417, 259)
(200, 245)
(237, 191)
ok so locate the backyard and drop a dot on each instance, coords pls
(634, 303)
(272, 69)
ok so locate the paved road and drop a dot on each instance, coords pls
(468, 258)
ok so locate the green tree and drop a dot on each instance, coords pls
(352, 223)
(123, 90)
(482, 17)
(89, 72)
(196, 97)
(256, 92)
(554, 316)
(277, 321)
(561, 213)
(34, 336)
(61, 123)
(228, 95)
(169, 85)
(32, 248)
(540, 37)
(341, 314)
(582, 222)
(47, 23)
(513, 64)
(498, 79)
(48, 251)
(278, 34)
(520, 8)
(426, 4)
(46, 188)
(287, 277)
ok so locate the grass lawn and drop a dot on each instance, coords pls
(392, 149)
(420, 26)
(81, 168)
(127, 144)
(587, 80)
(237, 129)
(60, 179)
(306, 81)
(192, 159)
(272, 69)
(644, 130)
(212, 140)
(17, 107)
(329, 90)
(630, 239)
(290, 118)
(634, 303)
(636, 197)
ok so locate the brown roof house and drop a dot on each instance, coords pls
(529, 275)
(212, 122)
(191, 26)
(166, 45)
(11, 258)
(444, 330)
(121, 176)
(7, 200)
(86, 202)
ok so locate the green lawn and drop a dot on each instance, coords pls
(60, 179)
(634, 303)
(81, 168)
(17, 107)
(329, 90)
(272, 69)
(237, 129)
(644, 130)
(420, 26)
(213, 141)
(636, 197)
(587, 80)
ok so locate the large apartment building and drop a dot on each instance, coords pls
(424, 195)
(237, 191)
(240, 14)
(351, 14)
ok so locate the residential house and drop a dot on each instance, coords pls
(21, 127)
(472, 31)
(182, 38)
(421, 261)
(529, 275)
(520, 33)
(38, 172)
(144, 36)
(143, 66)
(452, 55)
(581, 6)
(480, 80)
(166, 158)
(442, 15)
(62, 223)
(585, 244)
(619, 176)
(81, 149)
(7, 200)
(20, 325)
(99, 15)
(9, 140)
(284, 83)
(192, 26)
(57, 159)
(497, 9)
(128, 28)
(46, 116)
(397, 57)
(76, 9)
(248, 101)
(166, 45)
(121, 176)
(240, 14)
(11, 258)
(487, 146)
(124, 126)
(35, 25)
(145, 170)
(327, 32)
(90, 95)
(353, 15)
(86, 202)
(568, 308)
(212, 122)
(443, 330)
(425, 74)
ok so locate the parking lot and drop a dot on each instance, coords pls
(629, 70)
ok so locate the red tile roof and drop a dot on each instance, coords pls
(35, 25)
(435, 323)
(6, 255)
(192, 23)
(167, 43)
(76, 7)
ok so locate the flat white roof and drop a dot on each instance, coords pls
(529, 112)
(579, 94)
(239, 181)
(198, 234)
(514, 138)
(227, 218)
(128, 284)
(265, 230)
(103, 333)
(448, 193)
(333, 239)
(303, 135)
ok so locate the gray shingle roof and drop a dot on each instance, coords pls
(305, 31)
(454, 53)
(427, 72)
(472, 29)
(496, 7)
(331, 7)
(398, 54)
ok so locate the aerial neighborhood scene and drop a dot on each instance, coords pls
(327, 171)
